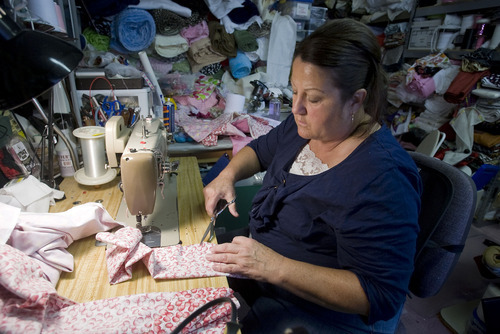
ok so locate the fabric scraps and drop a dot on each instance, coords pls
(125, 248)
(230, 124)
(195, 33)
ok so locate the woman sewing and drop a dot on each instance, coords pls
(334, 226)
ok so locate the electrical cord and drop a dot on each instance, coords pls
(232, 327)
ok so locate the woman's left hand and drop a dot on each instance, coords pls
(247, 257)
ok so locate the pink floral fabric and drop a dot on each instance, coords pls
(233, 124)
(30, 304)
(125, 248)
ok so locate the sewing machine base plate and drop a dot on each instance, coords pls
(163, 222)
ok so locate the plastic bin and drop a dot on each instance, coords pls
(298, 10)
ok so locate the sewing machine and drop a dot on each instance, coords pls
(148, 179)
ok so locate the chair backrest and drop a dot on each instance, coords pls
(447, 210)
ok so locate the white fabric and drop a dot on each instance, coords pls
(263, 47)
(307, 163)
(221, 8)
(8, 220)
(45, 236)
(444, 77)
(463, 124)
(164, 4)
(282, 42)
(30, 195)
(170, 46)
(230, 26)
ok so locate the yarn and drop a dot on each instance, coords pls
(132, 30)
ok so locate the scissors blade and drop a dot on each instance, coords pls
(210, 227)
(221, 206)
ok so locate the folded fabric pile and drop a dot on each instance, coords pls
(170, 46)
(196, 32)
(202, 53)
(474, 67)
(240, 66)
(30, 304)
(245, 41)
(222, 42)
(132, 30)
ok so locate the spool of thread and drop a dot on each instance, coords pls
(44, 10)
(92, 144)
(491, 259)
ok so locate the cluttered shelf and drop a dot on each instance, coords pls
(455, 6)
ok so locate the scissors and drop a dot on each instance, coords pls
(211, 225)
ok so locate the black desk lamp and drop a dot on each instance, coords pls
(31, 63)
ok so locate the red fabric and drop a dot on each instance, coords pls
(462, 85)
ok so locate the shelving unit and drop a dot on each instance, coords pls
(462, 7)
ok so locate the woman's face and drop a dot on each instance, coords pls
(317, 106)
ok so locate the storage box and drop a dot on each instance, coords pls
(421, 34)
(298, 10)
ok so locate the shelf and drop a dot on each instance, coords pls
(453, 54)
(455, 7)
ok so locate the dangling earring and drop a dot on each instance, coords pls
(352, 117)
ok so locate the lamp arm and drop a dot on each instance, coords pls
(61, 135)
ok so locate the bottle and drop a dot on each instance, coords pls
(63, 155)
(274, 107)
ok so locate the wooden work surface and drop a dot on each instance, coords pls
(89, 280)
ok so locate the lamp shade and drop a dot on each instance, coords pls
(31, 62)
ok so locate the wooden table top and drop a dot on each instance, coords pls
(89, 280)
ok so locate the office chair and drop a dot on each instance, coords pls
(447, 210)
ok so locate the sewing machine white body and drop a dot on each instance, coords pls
(149, 189)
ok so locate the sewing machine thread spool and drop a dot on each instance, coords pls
(94, 171)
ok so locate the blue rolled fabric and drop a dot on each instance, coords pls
(132, 30)
(240, 65)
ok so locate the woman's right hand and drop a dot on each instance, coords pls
(220, 188)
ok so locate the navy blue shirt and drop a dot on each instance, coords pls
(360, 215)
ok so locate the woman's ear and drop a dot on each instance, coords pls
(358, 98)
